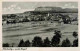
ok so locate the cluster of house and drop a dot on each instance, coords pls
(23, 18)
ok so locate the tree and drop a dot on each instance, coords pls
(8, 22)
(66, 19)
(5, 45)
(21, 43)
(75, 43)
(55, 40)
(75, 34)
(57, 33)
(46, 42)
(66, 43)
(27, 43)
(37, 42)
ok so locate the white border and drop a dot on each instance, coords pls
(41, 48)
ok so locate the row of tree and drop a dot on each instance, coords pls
(55, 41)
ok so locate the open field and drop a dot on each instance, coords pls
(13, 33)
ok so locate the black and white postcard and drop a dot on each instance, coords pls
(40, 24)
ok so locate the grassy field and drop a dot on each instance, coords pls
(13, 33)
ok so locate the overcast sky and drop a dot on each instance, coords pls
(18, 7)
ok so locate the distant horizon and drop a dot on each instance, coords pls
(37, 7)
(20, 7)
